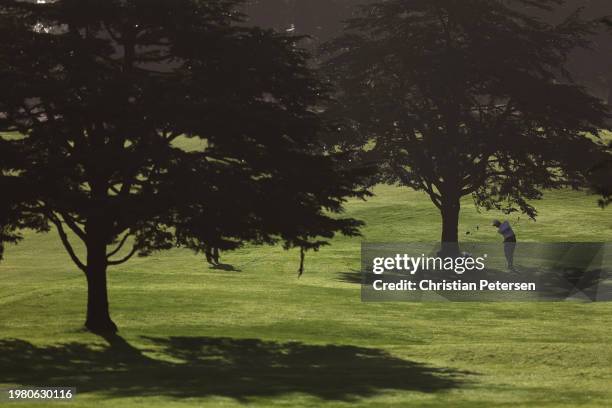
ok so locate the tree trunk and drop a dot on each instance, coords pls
(450, 219)
(450, 224)
(98, 316)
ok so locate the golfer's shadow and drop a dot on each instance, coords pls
(191, 367)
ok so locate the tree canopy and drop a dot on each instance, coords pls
(102, 90)
(467, 97)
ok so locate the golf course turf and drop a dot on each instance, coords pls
(251, 333)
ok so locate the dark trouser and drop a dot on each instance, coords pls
(509, 247)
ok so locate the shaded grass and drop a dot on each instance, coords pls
(192, 335)
(241, 369)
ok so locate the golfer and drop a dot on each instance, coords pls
(506, 231)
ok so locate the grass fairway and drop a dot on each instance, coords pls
(257, 336)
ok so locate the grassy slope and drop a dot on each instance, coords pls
(197, 336)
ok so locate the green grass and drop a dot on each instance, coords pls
(257, 336)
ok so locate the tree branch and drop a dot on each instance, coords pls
(435, 198)
(64, 238)
(73, 226)
(119, 246)
(124, 259)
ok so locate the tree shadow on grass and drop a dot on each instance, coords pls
(352, 276)
(568, 282)
(185, 367)
(225, 267)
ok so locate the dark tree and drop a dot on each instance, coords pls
(102, 90)
(601, 179)
(17, 194)
(8, 210)
(467, 97)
